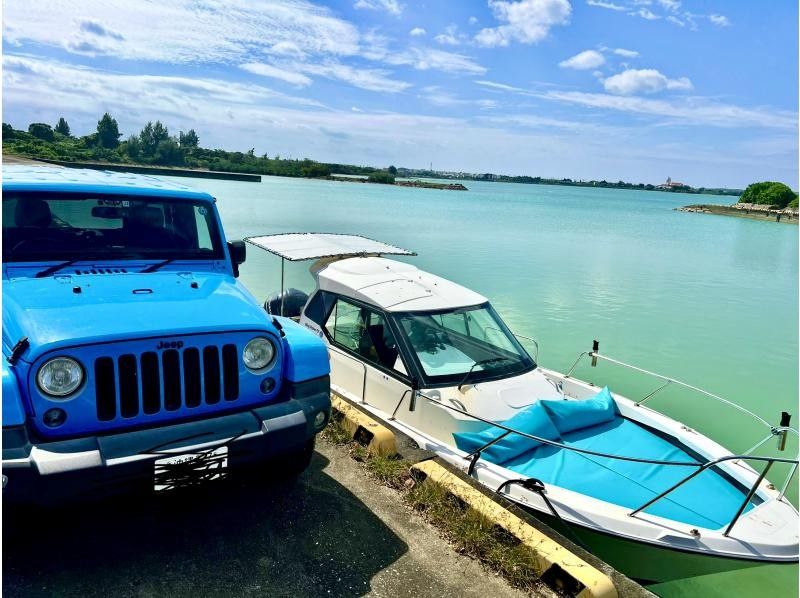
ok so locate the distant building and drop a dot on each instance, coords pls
(670, 184)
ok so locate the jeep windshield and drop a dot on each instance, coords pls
(71, 227)
(471, 342)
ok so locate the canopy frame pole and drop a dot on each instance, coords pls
(283, 268)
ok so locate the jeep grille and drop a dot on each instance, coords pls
(149, 383)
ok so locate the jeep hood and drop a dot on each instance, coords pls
(60, 311)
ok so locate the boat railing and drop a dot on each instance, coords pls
(522, 336)
(475, 455)
(594, 355)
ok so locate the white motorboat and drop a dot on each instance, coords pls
(647, 493)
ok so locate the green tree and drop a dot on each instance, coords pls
(188, 139)
(8, 132)
(62, 127)
(41, 131)
(392, 170)
(133, 148)
(168, 153)
(381, 177)
(768, 193)
(108, 132)
(151, 136)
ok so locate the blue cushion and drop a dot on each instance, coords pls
(532, 420)
(569, 415)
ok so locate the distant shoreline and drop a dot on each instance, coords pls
(765, 214)
(198, 173)
(396, 183)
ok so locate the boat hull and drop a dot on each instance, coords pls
(648, 563)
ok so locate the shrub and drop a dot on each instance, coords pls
(381, 177)
(41, 131)
(768, 193)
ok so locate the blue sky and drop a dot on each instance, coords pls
(704, 91)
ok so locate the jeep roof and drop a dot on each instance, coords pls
(73, 180)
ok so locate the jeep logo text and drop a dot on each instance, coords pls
(169, 345)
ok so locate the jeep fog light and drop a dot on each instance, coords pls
(319, 420)
(60, 377)
(54, 417)
(258, 353)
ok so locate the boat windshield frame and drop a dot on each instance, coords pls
(519, 364)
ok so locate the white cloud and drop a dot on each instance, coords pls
(363, 78)
(393, 7)
(636, 81)
(473, 20)
(437, 96)
(687, 111)
(646, 14)
(676, 21)
(626, 53)
(670, 5)
(424, 59)
(450, 36)
(501, 86)
(182, 31)
(608, 5)
(524, 21)
(266, 70)
(719, 20)
(588, 59)
(370, 79)
(417, 32)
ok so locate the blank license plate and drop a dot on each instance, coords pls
(192, 469)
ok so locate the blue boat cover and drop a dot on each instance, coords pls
(709, 500)
(534, 420)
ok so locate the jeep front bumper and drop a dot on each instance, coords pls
(99, 466)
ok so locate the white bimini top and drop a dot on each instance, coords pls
(393, 285)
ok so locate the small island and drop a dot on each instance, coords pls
(767, 200)
(387, 177)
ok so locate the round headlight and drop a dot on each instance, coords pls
(60, 377)
(258, 353)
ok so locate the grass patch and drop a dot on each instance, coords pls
(393, 472)
(336, 432)
(475, 535)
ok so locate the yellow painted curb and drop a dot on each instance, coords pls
(548, 552)
(378, 439)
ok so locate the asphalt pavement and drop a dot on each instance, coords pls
(332, 532)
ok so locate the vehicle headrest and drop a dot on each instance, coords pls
(33, 212)
(148, 216)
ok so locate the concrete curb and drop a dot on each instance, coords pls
(366, 430)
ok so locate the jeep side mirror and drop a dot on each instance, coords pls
(238, 252)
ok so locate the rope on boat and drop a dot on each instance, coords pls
(536, 486)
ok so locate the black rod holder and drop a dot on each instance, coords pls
(786, 419)
(595, 349)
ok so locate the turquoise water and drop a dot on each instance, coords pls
(711, 300)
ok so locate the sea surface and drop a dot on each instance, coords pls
(709, 300)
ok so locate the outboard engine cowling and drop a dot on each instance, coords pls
(293, 302)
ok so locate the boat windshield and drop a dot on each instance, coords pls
(73, 226)
(468, 341)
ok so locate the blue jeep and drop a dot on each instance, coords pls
(133, 358)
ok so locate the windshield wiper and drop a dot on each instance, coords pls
(55, 268)
(476, 364)
(156, 266)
